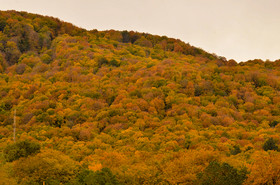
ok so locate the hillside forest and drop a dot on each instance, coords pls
(123, 107)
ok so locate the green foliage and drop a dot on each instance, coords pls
(273, 123)
(270, 144)
(102, 61)
(100, 177)
(20, 149)
(24, 43)
(143, 42)
(49, 166)
(198, 90)
(125, 37)
(248, 148)
(2, 24)
(46, 58)
(114, 62)
(12, 52)
(258, 80)
(220, 174)
(6, 105)
(236, 150)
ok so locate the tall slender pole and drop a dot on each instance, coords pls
(15, 113)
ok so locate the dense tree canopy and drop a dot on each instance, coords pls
(20, 149)
(131, 108)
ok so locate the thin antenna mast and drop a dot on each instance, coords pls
(15, 113)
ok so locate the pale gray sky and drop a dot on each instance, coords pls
(235, 29)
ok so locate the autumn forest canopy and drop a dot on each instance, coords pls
(123, 107)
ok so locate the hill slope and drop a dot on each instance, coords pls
(151, 109)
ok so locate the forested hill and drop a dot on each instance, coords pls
(32, 32)
(131, 108)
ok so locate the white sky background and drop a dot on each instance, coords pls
(235, 29)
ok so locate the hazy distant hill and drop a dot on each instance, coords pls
(131, 108)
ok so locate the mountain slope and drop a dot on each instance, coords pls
(151, 109)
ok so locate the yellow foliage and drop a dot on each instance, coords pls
(95, 167)
(265, 168)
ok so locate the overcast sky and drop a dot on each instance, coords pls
(235, 29)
